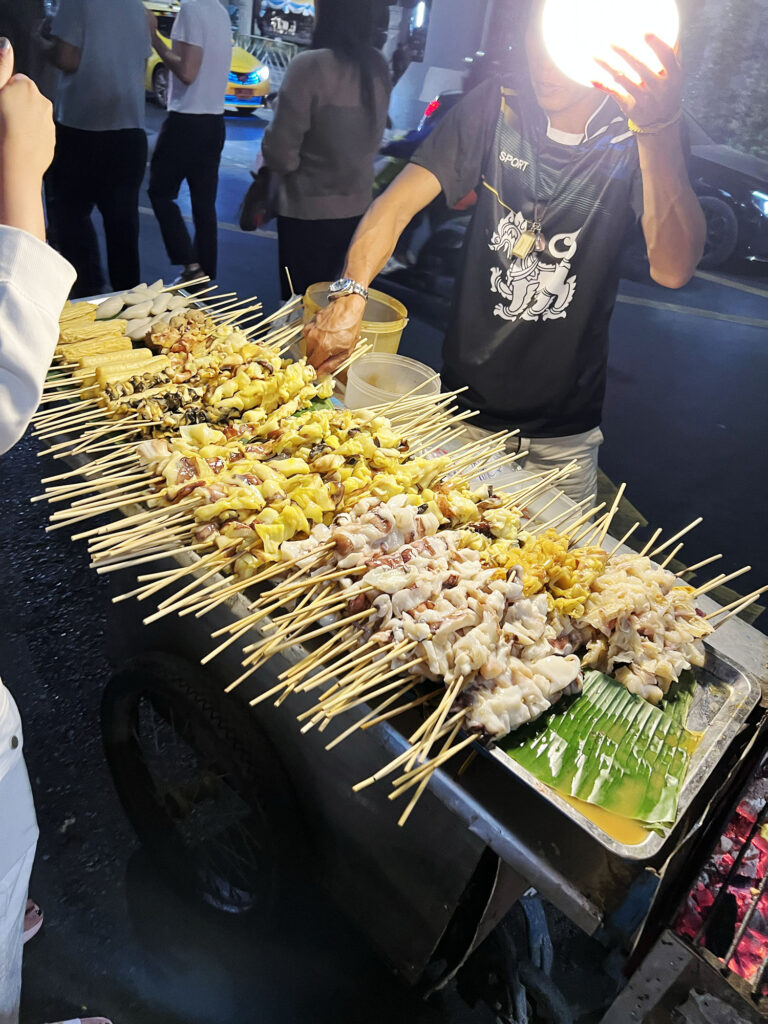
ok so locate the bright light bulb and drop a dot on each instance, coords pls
(419, 14)
(577, 31)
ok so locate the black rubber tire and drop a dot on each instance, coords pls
(233, 752)
(722, 232)
(160, 83)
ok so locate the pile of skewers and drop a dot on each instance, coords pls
(411, 588)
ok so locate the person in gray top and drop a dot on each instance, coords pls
(327, 128)
(101, 48)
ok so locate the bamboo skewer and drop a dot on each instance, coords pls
(379, 718)
(671, 555)
(132, 563)
(612, 512)
(580, 537)
(739, 605)
(366, 697)
(345, 694)
(677, 536)
(414, 775)
(550, 524)
(700, 565)
(623, 540)
(449, 753)
(352, 660)
(720, 581)
(255, 656)
(654, 537)
(374, 717)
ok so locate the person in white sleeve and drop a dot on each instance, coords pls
(34, 284)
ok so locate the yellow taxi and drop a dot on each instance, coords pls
(248, 84)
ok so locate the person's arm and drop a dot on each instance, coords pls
(335, 331)
(449, 160)
(183, 57)
(34, 280)
(281, 145)
(64, 48)
(27, 139)
(672, 221)
(63, 55)
(34, 284)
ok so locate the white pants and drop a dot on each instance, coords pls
(545, 453)
(18, 840)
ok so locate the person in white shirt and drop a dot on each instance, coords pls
(34, 282)
(101, 48)
(192, 137)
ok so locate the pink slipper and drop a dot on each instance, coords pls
(33, 920)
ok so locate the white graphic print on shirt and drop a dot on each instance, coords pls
(537, 287)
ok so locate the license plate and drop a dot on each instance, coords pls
(242, 94)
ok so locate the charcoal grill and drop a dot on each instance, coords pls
(717, 942)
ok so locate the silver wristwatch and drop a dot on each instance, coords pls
(346, 286)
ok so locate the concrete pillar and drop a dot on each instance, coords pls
(245, 16)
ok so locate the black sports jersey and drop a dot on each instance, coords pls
(530, 336)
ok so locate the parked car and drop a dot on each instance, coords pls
(733, 191)
(248, 84)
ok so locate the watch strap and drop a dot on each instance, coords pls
(346, 286)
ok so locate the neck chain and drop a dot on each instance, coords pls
(532, 237)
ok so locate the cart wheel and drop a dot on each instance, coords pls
(200, 782)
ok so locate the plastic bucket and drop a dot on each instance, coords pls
(384, 318)
(384, 377)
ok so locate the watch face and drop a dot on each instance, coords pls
(339, 286)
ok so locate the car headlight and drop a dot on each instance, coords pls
(252, 78)
(760, 200)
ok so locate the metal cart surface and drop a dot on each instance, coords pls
(473, 845)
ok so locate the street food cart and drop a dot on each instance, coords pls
(231, 797)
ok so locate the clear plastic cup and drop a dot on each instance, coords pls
(382, 377)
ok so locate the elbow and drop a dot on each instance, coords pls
(68, 65)
(672, 279)
(280, 164)
(65, 57)
(679, 273)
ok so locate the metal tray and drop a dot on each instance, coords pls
(725, 696)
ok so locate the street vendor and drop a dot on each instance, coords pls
(562, 172)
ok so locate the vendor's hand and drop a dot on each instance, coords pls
(27, 140)
(657, 99)
(334, 332)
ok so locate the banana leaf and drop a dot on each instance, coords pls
(611, 748)
(316, 403)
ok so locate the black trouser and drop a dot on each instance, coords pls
(105, 170)
(312, 250)
(189, 146)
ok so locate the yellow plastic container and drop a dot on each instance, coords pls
(384, 318)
